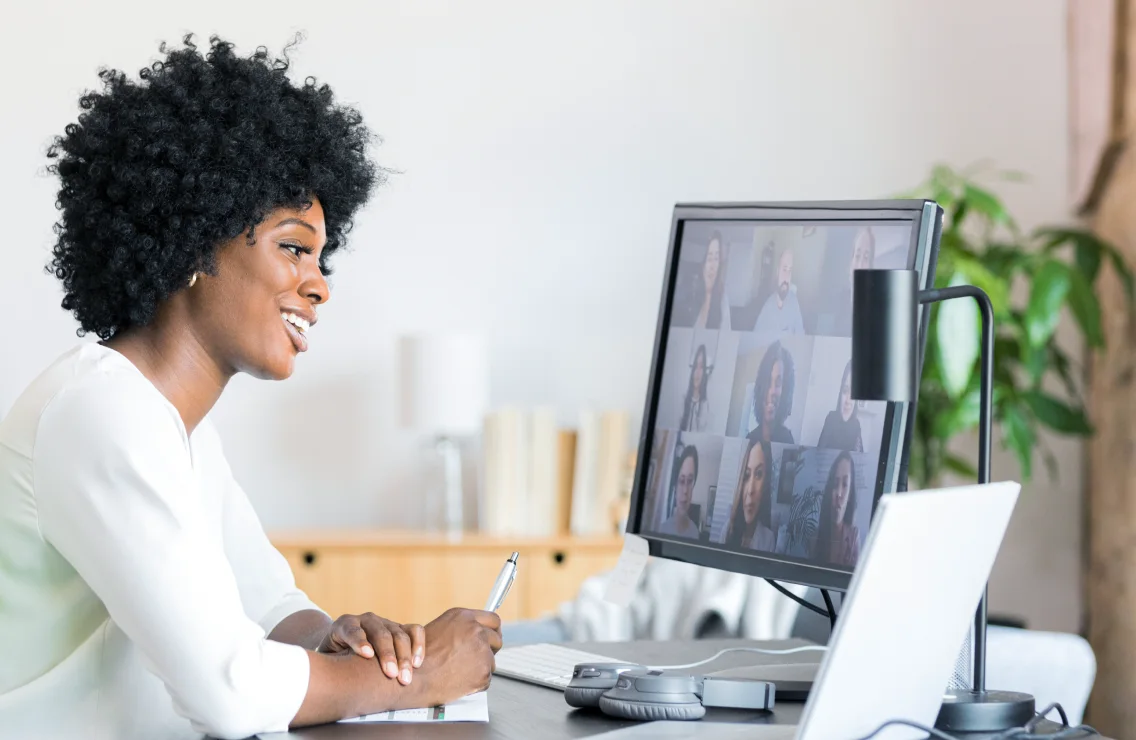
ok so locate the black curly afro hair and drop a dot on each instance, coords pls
(158, 172)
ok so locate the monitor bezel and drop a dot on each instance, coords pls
(926, 217)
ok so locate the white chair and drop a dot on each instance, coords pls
(1053, 666)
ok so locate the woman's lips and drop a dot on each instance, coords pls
(299, 341)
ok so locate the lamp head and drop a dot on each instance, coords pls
(885, 306)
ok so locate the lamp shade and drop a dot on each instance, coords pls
(443, 383)
(885, 307)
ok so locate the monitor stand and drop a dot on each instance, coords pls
(794, 681)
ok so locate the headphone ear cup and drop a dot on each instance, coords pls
(583, 698)
(650, 711)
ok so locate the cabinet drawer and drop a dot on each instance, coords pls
(413, 586)
(552, 576)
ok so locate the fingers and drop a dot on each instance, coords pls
(417, 635)
(381, 638)
(487, 619)
(350, 634)
(402, 652)
(493, 637)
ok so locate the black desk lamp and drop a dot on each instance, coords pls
(885, 317)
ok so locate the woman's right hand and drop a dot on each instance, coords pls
(459, 660)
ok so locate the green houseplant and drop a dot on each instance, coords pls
(1031, 278)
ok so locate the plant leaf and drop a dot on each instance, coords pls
(957, 340)
(1088, 260)
(986, 203)
(1064, 367)
(1019, 437)
(960, 466)
(1050, 286)
(1035, 360)
(961, 417)
(997, 288)
(1056, 414)
(1124, 273)
(1085, 307)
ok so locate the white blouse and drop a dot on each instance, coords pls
(136, 584)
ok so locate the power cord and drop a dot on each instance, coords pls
(831, 608)
(761, 651)
(789, 594)
(829, 612)
(1026, 732)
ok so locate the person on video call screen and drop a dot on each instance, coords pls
(838, 539)
(680, 524)
(781, 313)
(841, 429)
(773, 395)
(750, 523)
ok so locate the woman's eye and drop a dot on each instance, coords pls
(296, 249)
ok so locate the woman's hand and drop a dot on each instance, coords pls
(399, 647)
(462, 645)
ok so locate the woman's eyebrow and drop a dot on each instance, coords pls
(298, 222)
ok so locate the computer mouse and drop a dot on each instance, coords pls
(650, 695)
(591, 680)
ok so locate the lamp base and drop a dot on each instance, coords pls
(986, 711)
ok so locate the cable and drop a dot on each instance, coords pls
(1032, 724)
(906, 723)
(1026, 732)
(798, 599)
(720, 653)
(830, 607)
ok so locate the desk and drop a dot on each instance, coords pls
(521, 711)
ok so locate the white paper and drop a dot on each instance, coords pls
(625, 577)
(473, 708)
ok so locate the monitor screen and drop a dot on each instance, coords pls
(757, 456)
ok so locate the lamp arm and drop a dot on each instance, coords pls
(985, 421)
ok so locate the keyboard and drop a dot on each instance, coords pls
(544, 664)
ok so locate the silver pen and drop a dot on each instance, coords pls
(502, 585)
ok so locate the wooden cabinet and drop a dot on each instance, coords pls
(414, 577)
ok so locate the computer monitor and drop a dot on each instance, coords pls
(753, 457)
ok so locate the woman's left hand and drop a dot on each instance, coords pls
(399, 647)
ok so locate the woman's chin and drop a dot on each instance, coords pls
(275, 368)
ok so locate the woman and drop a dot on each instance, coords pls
(695, 410)
(200, 209)
(773, 395)
(680, 524)
(705, 297)
(750, 524)
(838, 539)
(710, 291)
(841, 429)
(863, 256)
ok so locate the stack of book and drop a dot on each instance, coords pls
(539, 479)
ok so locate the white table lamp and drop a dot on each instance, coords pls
(444, 390)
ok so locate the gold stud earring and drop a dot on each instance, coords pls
(193, 279)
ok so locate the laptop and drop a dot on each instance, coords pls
(908, 610)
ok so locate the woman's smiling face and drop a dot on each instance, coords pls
(255, 312)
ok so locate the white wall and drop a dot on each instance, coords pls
(542, 147)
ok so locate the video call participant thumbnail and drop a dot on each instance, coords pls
(750, 524)
(773, 395)
(863, 257)
(695, 408)
(682, 488)
(841, 429)
(781, 313)
(838, 539)
(702, 304)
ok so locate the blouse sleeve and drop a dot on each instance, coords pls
(115, 496)
(264, 579)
